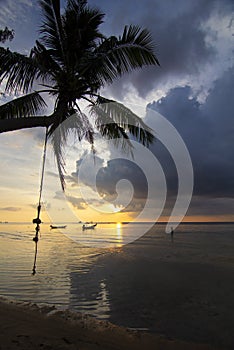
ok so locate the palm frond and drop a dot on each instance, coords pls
(115, 57)
(76, 5)
(19, 70)
(22, 107)
(111, 130)
(56, 140)
(45, 61)
(76, 125)
(115, 112)
(138, 48)
(85, 21)
(81, 30)
(52, 28)
(135, 35)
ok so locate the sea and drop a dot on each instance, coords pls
(89, 271)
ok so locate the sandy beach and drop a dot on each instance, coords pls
(28, 327)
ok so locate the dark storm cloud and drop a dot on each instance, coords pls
(204, 206)
(88, 161)
(176, 26)
(211, 206)
(178, 33)
(119, 169)
(207, 129)
(116, 170)
(109, 175)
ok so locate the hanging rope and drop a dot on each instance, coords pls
(37, 220)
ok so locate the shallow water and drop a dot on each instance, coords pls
(60, 257)
(76, 276)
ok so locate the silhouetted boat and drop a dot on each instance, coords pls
(52, 226)
(88, 226)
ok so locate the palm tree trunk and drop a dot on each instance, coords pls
(25, 123)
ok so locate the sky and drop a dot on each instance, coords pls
(190, 97)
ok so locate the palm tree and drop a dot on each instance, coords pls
(6, 34)
(72, 61)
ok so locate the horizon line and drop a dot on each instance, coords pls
(123, 222)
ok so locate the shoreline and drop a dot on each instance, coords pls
(27, 326)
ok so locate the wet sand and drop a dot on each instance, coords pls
(27, 327)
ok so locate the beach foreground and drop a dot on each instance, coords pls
(26, 327)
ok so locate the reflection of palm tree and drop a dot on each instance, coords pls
(73, 61)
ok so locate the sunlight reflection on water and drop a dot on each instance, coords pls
(71, 275)
(59, 258)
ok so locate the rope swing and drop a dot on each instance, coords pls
(37, 220)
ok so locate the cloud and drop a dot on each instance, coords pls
(22, 16)
(212, 206)
(116, 170)
(106, 182)
(78, 203)
(10, 208)
(88, 162)
(191, 39)
(11, 10)
(207, 130)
